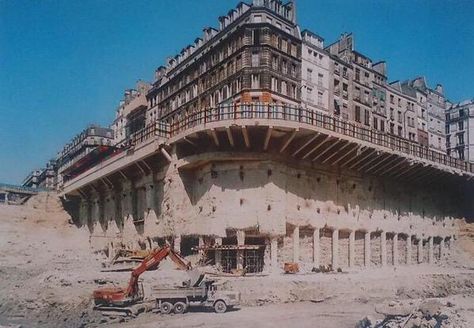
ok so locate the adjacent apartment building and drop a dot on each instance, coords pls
(460, 130)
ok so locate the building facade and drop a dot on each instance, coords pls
(460, 130)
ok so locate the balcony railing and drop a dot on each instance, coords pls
(329, 123)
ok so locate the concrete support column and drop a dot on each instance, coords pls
(296, 244)
(430, 250)
(316, 251)
(383, 247)
(352, 249)
(6, 198)
(274, 253)
(409, 249)
(395, 249)
(240, 252)
(420, 250)
(367, 249)
(335, 248)
(441, 249)
(200, 244)
(218, 259)
(177, 244)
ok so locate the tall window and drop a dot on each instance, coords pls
(255, 59)
(367, 117)
(255, 81)
(357, 114)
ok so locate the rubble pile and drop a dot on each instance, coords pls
(413, 314)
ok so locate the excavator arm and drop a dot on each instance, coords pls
(111, 295)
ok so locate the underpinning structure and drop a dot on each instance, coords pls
(250, 177)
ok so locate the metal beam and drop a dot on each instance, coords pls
(366, 152)
(214, 136)
(386, 162)
(267, 138)
(146, 165)
(319, 145)
(397, 169)
(123, 175)
(404, 172)
(288, 140)
(356, 148)
(328, 149)
(229, 135)
(141, 169)
(360, 160)
(337, 152)
(377, 156)
(166, 154)
(306, 144)
(190, 142)
(245, 133)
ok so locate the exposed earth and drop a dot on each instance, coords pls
(48, 272)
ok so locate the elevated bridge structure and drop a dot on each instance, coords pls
(16, 195)
(306, 186)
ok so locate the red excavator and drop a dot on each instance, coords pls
(133, 293)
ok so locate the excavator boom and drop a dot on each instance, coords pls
(132, 293)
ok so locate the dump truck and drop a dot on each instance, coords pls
(195, 292)
(129, 300)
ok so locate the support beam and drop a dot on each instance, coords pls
(395, 250)
(377, 157)
(137, 164)
(267, 138)
(363, 158)
(305, 144)
(327, 149)
(387, 165)
(337, 152)
(177, 244)
(214, 136)
(123, 175)
(218, 258)
(397, 168)
(288, 140)
(189, 141)
(245, 133)
(319, 145)
(296, 244)
(362, 154)
(430, 250)
(335, 249)
(352, 249)
(354, 149)
(420, 250)
(383, 247)
(316, 246)
(229, 136)
(240, 252)
(274, 253)
(406, 171)
(409, 249)
(166, 154)
(367, 249)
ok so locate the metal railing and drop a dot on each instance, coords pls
(258, 111)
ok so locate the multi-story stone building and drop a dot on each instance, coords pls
(433, 106)
(315, 73)
(460, 130)
(131, 113)
(72, 158)
(235, 156)
(44, 178)
(253, 57)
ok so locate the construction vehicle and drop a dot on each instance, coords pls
(196, 292)
(133, 293)
(129, 300)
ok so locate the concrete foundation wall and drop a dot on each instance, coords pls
(272, 199)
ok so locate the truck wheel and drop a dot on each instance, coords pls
(166, 307)
(220, 307)
(179, 308)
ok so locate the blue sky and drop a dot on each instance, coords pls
(65, 64)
